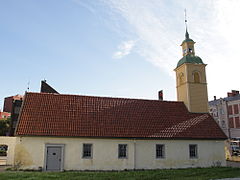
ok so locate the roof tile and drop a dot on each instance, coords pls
(46, 114)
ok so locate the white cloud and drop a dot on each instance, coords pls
(85, 5)
(124, 49)
(152, 29)
(159, 28)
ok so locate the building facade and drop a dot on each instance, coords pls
(105, 154)
(226, 112)
(8, 102)
(101, 133)
(16, 106)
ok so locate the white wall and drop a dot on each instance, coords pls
(10, 142)
(210, 153)
(30, 153)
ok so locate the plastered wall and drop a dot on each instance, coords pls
(30, 153)
(10, 142)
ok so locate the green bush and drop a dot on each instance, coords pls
(4, 126)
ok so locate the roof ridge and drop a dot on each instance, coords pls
(105, 97)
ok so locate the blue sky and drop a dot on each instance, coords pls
(116, 48)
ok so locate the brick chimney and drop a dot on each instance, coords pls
(160, 95)
(233, 93)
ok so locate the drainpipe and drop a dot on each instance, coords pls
(229, 131)
(134, 155)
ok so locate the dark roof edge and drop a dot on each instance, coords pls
(105, 97)
(130, 138)
(233, 98)
(20, 113)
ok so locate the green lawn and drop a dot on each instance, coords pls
(194, 173)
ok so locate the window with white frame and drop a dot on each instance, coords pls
(87, 151)
(193, 151)
(122, 151)
(160, 151)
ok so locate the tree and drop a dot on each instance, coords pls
(4, 126)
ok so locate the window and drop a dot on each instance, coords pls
(223, 124)
(3, 150)
(122, 151)
(184, 51)
(215, 114)
(87, 151)
(193, 151)
(237, 122)
(235, 107)
(160, 151)
(222, 111)
(230, 110)
(196, 77)
(17, 109)
(231, 123)
(181, 78)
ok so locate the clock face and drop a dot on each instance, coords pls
(184, 51)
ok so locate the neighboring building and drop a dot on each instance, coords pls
(72, 132)
(15, 102)
(46, 88)
(226, 112)
(16, 106)
(4, 115)
(8, 102)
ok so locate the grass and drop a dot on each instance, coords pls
(193, 173)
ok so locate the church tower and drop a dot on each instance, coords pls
(191, 79)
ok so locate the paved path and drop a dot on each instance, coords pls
(229, 179)
(233, 164)
(2, 168)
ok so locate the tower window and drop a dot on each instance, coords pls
(184, 51)
(190, 50)
(181, 78)
(196, 77)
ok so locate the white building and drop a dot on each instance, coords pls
(71, 132)
(226, 112)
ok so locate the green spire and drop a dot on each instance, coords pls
(186, 34)
(188, 50)
(187, 39)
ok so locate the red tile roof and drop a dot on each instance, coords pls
(46, 114)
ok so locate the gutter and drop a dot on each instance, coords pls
(134, 153)
(229, 131)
